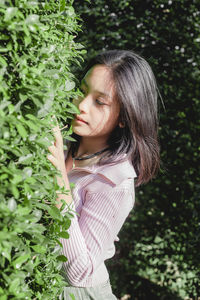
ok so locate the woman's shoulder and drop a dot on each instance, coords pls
(112, 177)
(118, 171)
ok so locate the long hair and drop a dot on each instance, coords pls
(136, 92)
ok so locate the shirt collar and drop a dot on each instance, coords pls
(114, 172)
(118, 172)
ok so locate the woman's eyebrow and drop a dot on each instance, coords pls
(83, 81)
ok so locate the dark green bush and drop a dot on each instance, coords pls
(37, 53)
(158, 256)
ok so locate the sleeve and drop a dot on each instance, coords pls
(101, 219)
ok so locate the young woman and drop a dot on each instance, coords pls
(116, 150)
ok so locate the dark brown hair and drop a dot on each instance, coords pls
(136, 92)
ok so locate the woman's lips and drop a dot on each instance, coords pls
(78, 119)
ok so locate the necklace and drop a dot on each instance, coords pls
(88, 156)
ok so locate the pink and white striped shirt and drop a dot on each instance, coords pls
(103, 198)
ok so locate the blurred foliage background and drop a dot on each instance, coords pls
(158, 254)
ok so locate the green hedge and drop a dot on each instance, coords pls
(158, 256)
(37, 53)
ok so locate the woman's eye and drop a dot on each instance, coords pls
(99, 102)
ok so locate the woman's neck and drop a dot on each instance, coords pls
(90, 146)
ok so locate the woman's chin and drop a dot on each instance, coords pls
(78, 131)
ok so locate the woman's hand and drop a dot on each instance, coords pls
(57, 151)
(58, 160)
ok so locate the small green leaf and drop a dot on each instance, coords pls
(10, 13)
(62, 5)
(3, 236)
(27, 40)
(15, 191)
(14, 285)
(38, 277)
(20, 260)
(11, 108)
(67, 223)
(12, 204)
(43, 142)
(157, 240)
(23, 97)
(69, 138)
(27, 172)
(22, 131)
(55, 213)
(32, 126)
(70, 11)
(3, 61)
(72, 296)
(31, 117)
(64, 234)
(70, 131)
(26, 159)
(69, 85)
(3, 176)
(32, 19)
(6, 254)
(17, 179)
(74, 109)
(37, 213)
(61, 258)
(21, 211)
(39, 249)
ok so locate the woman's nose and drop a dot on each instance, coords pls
(84, 104)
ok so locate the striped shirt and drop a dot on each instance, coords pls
(103, 197)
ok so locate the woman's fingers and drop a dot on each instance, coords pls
(56, 149)
(53, 160)
(53, 150)
(57, 157)
(56, 132)
(58, 136)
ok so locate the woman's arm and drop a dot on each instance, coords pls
(58, 160)
(100, 220)
(93, 233)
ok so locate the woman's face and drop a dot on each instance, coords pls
(99, 110)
